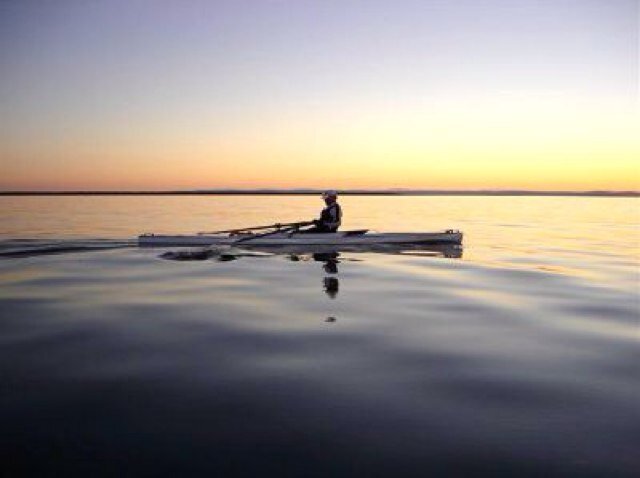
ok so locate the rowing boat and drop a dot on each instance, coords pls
(359, 237)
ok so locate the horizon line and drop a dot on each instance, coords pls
(315, 191)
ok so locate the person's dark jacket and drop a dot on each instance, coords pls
(330, 219)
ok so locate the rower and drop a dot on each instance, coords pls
(331, 215)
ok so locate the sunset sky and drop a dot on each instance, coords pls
(442, 94)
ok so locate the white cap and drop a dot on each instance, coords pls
(330, 193)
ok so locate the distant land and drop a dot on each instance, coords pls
(309, 192)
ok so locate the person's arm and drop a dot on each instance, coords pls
(321, 220)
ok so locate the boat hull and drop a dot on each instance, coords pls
(283, 239)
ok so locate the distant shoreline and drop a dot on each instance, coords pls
(313, 192)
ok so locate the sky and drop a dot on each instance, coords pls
(429, 94)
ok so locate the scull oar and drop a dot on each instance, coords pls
(278, 226)
(256, 236)
(207, 252)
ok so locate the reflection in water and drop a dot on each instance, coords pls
(330, 260)
(326, 254)
(331, 286)
(323, 253)
(329, 256)
(330, 265)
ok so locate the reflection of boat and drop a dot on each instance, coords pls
(294, 238)
(453, 251)
(322, 253)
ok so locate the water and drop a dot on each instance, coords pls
(517, 356)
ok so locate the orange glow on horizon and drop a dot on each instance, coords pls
(479, 146)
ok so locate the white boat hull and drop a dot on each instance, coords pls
(283, 239)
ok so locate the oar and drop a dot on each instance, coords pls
(207, 252)
(256, 236)
(257, 228)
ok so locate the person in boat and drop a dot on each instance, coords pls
(330, 217)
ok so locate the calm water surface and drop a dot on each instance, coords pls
(515, 356)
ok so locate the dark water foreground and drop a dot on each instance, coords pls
(119, 363)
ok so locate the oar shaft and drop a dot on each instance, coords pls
(257, 228)
(257, 236)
